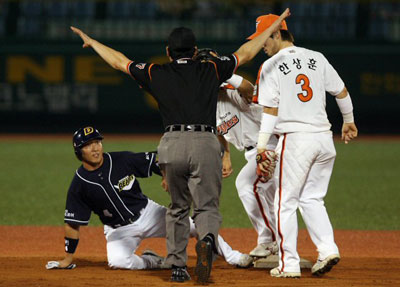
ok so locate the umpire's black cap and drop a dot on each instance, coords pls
(181, 39)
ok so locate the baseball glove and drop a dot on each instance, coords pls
(56, 265)
(266, 162)
(206, 54)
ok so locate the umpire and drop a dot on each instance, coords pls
(189, 152)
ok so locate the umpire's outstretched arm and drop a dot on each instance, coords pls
(115, 59)
(119, 61)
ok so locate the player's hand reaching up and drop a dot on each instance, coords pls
(87, 41)
(349, 132)
(277, 24)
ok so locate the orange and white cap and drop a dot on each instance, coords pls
(264, 22)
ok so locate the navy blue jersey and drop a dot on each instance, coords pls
(186, 91)
(111, 191)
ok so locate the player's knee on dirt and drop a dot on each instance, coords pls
(126, 262)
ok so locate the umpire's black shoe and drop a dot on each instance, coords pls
(204, 250)
(179, 274)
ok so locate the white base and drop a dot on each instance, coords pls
(273, 261)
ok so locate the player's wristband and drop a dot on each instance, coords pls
(348, 118)
(268, 122)
(235, 81)
(346, 108)
(70, 244)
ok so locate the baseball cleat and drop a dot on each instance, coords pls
(204, 261)
(245, 261)
(264, 249)
(276, 272)
(323, 266)
(153, 260)
(180, 274)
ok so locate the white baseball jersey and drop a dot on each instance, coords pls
(295, 80)
(238, 121)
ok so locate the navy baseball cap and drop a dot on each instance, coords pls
(181, 39)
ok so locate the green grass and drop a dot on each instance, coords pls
(363, 194)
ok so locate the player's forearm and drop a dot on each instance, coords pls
(249, 50)
(268, 121)
(71, 241)
(345, 105)
(246, 89)
(224, 143)
(114, 58)
(69, 257)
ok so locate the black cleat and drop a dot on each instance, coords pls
(204, 250)
(179, 274)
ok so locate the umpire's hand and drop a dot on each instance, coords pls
(87, 41)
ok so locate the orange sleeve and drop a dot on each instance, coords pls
(255, 97)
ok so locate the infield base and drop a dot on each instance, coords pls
(273, 261)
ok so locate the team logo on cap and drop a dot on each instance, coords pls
(257, 22)
(88, 130)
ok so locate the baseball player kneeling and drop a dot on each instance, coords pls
(106, 184)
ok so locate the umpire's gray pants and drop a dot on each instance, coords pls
(193, 166)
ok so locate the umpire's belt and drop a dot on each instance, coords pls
(191, 128)
(126, 222)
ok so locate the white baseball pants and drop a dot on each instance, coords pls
(302, 177)
(123, 241)
(257, 199)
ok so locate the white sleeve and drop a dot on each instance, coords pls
(235, 98)
(235, 81)
(333, 83)
(267, 87)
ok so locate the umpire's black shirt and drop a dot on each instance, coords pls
(186, 90)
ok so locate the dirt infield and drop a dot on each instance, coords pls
(369, 258)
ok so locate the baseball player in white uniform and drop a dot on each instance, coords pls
(291, 88)
(238, 123)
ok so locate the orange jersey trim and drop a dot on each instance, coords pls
(149, 71)
(216, 69)
(229, 87)
(237, 62)
(280, 199)
(127, 67)
(255, 97)
(260, 206)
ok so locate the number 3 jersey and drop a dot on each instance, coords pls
(295, 81)
(111, 191)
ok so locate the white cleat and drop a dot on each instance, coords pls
(245, 261)
(264, 249)
(323, 266)
(276, 272)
